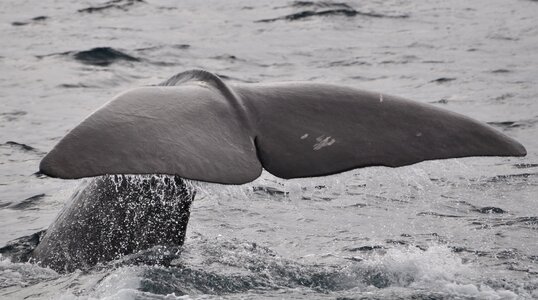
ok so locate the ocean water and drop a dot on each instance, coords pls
(451, 229)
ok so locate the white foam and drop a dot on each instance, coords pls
(122, 284)
(437, 269)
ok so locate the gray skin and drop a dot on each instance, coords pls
(112, 216)
(197, 127)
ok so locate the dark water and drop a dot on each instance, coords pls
(464, 229)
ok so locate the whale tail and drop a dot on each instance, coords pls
(197, 127)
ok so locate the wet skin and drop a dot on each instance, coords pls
(112, 216)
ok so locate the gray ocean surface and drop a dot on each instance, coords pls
(451, 229)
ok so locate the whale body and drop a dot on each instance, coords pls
(197, 127)
(112, 216)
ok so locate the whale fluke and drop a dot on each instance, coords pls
(198, 127)
(308, 129)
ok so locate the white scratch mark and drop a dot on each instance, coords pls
(380, 97)
(323, 141)
(419, 134)
(304, 136)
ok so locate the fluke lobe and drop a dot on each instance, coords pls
(197, 127)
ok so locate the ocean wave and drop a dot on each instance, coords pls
(112, 4)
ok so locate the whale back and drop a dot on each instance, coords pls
(199, 128)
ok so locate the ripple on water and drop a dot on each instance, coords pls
(20, 146)
(99, 56)
(112, 4)
(324, 8)
(34, 20)
(12, 115)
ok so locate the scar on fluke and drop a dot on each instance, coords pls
(323, 141)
